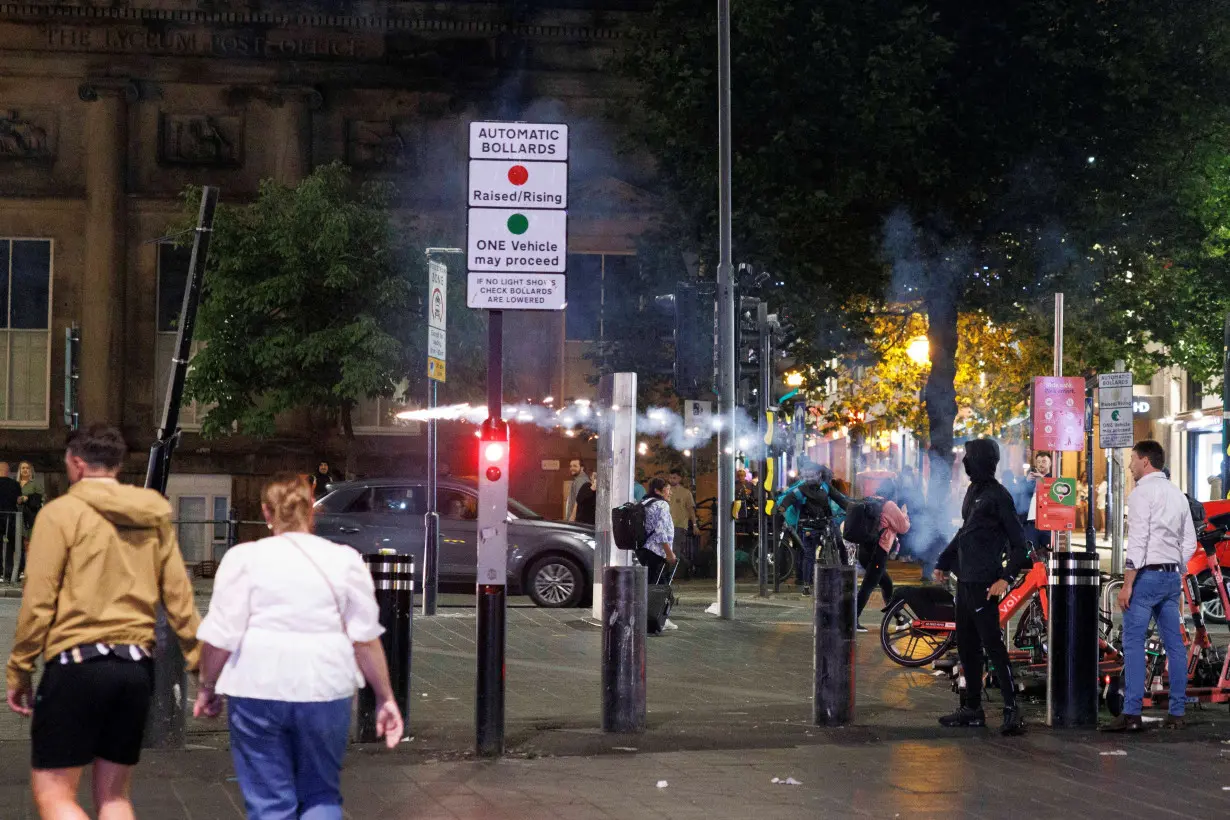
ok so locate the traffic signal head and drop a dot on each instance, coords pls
(493, 453)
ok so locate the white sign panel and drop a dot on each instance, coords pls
(501, 183)
(436, 344)
(437, 277)
(526, 291)
(1115, 390)
(519, 140)
(517, 241)
(697, 413)
(1115, 427)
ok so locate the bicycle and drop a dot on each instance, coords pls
(924, 618)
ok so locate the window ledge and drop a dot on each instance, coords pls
(24, 425)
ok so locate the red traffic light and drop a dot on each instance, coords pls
(493, 451)
(493, 473)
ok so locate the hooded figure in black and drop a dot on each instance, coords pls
(987, 553)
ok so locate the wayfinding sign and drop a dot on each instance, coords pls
(1115, 409)
(517, 225)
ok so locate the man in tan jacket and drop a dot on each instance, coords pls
(101, 559)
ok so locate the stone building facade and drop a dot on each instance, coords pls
(109, 109)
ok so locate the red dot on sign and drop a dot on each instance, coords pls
(518, 175)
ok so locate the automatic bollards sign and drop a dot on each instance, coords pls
(517, 225)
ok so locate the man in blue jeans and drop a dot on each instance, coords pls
(1161, 540)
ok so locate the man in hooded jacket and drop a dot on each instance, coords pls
(987, 553)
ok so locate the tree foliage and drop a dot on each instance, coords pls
(956, 158)
(311, 299)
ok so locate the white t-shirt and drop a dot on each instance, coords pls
(275, 613)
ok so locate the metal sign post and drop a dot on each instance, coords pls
(1114, 433)
(437, 357)
(516, 247)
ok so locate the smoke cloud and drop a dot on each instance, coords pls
(586, 417)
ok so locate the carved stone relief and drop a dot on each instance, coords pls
(381, 145)
(27, 134)
(201, 139)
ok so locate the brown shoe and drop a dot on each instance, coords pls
(1124, 723)
(1174, 722)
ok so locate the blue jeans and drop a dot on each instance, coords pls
(1155, 595)
(288, 757)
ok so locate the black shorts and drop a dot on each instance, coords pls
(90, 710)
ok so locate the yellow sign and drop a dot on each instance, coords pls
(435, 369)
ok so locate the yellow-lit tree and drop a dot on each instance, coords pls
(881, 387)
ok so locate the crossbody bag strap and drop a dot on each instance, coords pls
(337, 603)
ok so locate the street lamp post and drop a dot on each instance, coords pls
(726, 330)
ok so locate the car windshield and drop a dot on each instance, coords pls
(521, 511)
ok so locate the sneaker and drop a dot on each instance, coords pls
(1013, 723)
(669, 626)
(1124, 723)
(1174, 722)
(964, 716)
(860, 628)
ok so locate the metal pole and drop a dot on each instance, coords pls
(834, 617)
(726, 331)
(1062, 540)
(766, 369)
(1091, 531)
(1225, 410)
(1114, 504)
(431, 550)
(492, 598)
(165, 726)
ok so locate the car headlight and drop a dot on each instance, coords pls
(587, 541)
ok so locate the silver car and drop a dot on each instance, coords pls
(551, 561)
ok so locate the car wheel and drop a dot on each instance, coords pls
(556, 582)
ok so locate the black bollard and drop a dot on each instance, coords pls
(489, 701)
(393, 577)
(624, 599)
(836, 604)
(1072, 640)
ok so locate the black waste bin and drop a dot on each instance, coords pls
(393, 577)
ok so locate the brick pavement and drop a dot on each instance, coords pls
(729, 711)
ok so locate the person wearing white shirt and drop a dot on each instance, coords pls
(1161, 540)
(292, 631)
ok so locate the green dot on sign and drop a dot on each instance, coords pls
(518, 224)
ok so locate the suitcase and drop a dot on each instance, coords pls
(659, 598)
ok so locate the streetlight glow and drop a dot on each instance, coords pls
(919, 350)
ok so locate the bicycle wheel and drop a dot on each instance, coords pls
(781, 558)
(906, 645)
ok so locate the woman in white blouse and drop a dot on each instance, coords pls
(292, 632)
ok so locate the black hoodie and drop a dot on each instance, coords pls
(990, 544)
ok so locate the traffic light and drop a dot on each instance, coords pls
(493, 459)
(748, 339)
(662, 359)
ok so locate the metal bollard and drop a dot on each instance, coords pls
(624, 599)
(393, 576)
(835, 618)
(1072, 640)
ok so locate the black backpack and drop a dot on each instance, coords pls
(863, 520)
(628, 524)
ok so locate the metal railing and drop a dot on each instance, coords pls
(203, 541)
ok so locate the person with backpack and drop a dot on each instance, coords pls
(658, 553)
(815, 499)
(988, 552)
(874, 523)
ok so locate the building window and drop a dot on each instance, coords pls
(379, 416)
(173, 265)
(25, 354)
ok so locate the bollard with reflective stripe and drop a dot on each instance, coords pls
(1072, 640)
(393, 577)
(835, 617)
